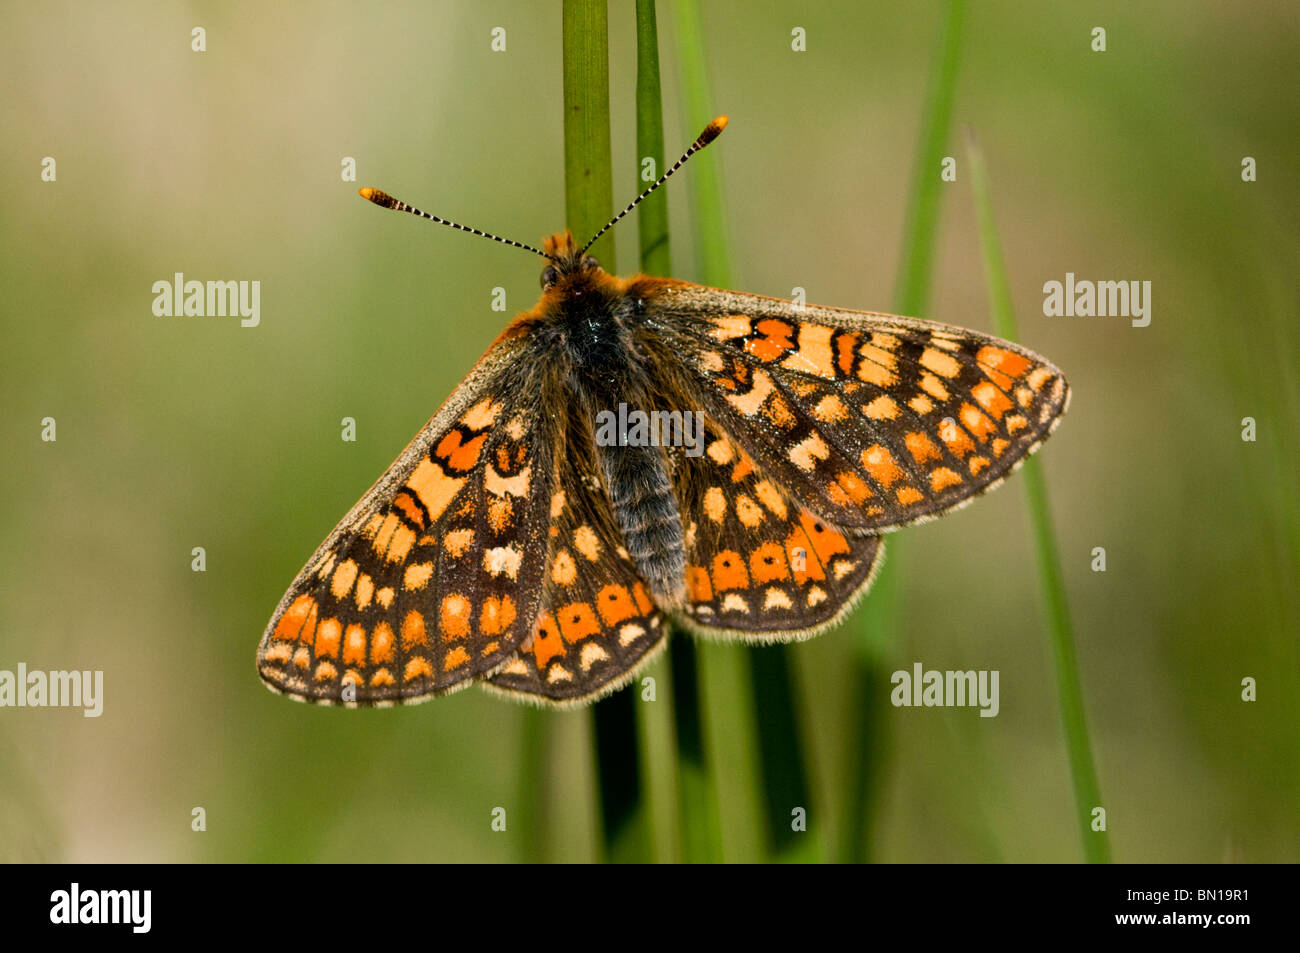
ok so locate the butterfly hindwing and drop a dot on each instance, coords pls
(874, 421)
(598, 624)
(759, 565)
(435, 576)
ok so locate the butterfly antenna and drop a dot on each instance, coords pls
(384, 200)
(711, 132)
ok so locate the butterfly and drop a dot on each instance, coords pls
(517, 543)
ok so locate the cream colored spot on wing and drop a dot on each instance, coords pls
(830, 409)
(515, 428)
(591, 655)
(417, 575)
(945, 365)
(934, 387)
(771, 497)
(563, 571)
(586, 542)
(776, 598)
(559, 673)
(715, 504)
(516, 485)
(482, 415)
(813, 355)
(557, 504)
(734, 603)
(629, 634)
(365, 591)
(749, 403)
(385, 596)
(457, 541)
(921, 404)
(1038, 377)
(748, 511)
(721, 453)
(434, 488)
(344, 575)
(808, 451)
(882, 408)
(503, 560)
(731, 326)
(816, 596)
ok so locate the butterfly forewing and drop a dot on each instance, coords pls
(872, 420)
(436, 574)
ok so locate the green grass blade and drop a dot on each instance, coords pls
(877, 622)
(781, 760)
(532, 785)
(652, 213)
(1069, 686)
(588, 196)
(697, 802)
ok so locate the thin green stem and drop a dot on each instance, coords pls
(652, 213)
(588, 193)
(1060, 631)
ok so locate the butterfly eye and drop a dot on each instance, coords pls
(550, 276)
(590, 262)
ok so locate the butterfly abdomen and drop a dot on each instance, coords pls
(645, 508)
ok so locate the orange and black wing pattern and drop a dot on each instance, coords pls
(598, 623)
(871, 421)
(435, 576)
(760, 566)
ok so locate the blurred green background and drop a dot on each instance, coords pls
(183, 432)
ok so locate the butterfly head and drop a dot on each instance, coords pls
(566, 259)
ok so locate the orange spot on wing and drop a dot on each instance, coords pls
(908, 495)
(697, 584)
(1002, 366)
(577, 622)
(546, 641)
(413, 633)
(881, 466)
(433, 487)
(455, 658)
(498, 615)
(845, 346)
(826, 541)
(382, 641)
(729, 571)
(344, 575)
(643, 603)
(614, 603)
(941, 478)
(327, 639)
(298, 621)
(991, 399)
(454, 616)
(955, 439)
(767, 563)
(774, 342)
(405, 503)
(417, 667)
(921, 447)
(977, 422)
(354, 645)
